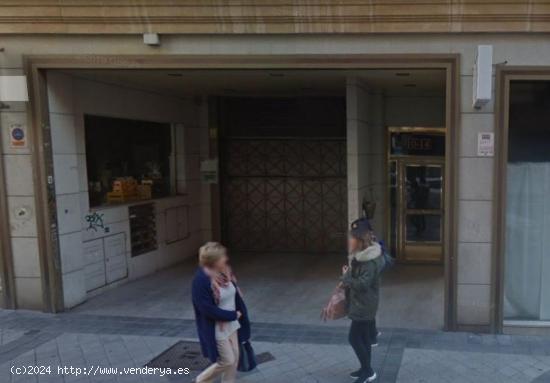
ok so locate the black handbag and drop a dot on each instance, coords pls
(247, 358)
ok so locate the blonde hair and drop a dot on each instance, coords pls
(210, 253)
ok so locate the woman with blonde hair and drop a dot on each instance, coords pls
(221, 315)
(361, 281)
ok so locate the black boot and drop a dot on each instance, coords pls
(356, 374)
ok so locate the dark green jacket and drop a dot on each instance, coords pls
(362, 283)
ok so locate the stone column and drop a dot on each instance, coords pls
(71, 183)
(365, 151)
(475, 213)
(23, 234)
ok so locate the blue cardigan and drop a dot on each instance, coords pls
(207, 313)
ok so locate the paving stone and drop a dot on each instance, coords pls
(303, 353)
(436, 366)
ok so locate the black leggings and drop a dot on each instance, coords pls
(361, 335)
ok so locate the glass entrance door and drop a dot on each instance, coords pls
(421, 215)
(416, 180)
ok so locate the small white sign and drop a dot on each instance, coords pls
(209, 171)
(18, 136)
(486, 144)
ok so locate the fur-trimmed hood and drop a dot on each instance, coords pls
(370, 253)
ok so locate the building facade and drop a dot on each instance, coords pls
(384, 93)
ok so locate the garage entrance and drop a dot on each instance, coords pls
(284, 174)
(299, 151)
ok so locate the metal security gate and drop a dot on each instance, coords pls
(284, 194)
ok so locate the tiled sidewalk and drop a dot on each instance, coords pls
(304, 354)
(429, 366)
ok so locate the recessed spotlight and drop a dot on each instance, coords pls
(403, 74)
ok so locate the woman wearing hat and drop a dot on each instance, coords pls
(361, 280)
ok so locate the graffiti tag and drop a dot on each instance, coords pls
(95, 221)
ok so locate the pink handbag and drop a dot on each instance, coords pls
(336, 307)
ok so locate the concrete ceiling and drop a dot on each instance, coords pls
(186, 83)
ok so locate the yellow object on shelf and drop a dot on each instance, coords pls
(145, 191)
(124, 190)
(125, 185)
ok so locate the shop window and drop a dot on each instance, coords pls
(127, 160)
(527, 255)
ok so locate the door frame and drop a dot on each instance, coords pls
(36, 65)
(399, 160)
(401, 164)
(503, 76)
(6, 253)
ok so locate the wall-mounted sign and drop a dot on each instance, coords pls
(417, 144)
(18, 136)
(209, 171)
(486, 144)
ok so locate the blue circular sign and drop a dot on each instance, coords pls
(18, 134)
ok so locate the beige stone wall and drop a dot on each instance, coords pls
(272, 16)
(475, 182)
(70, 98)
